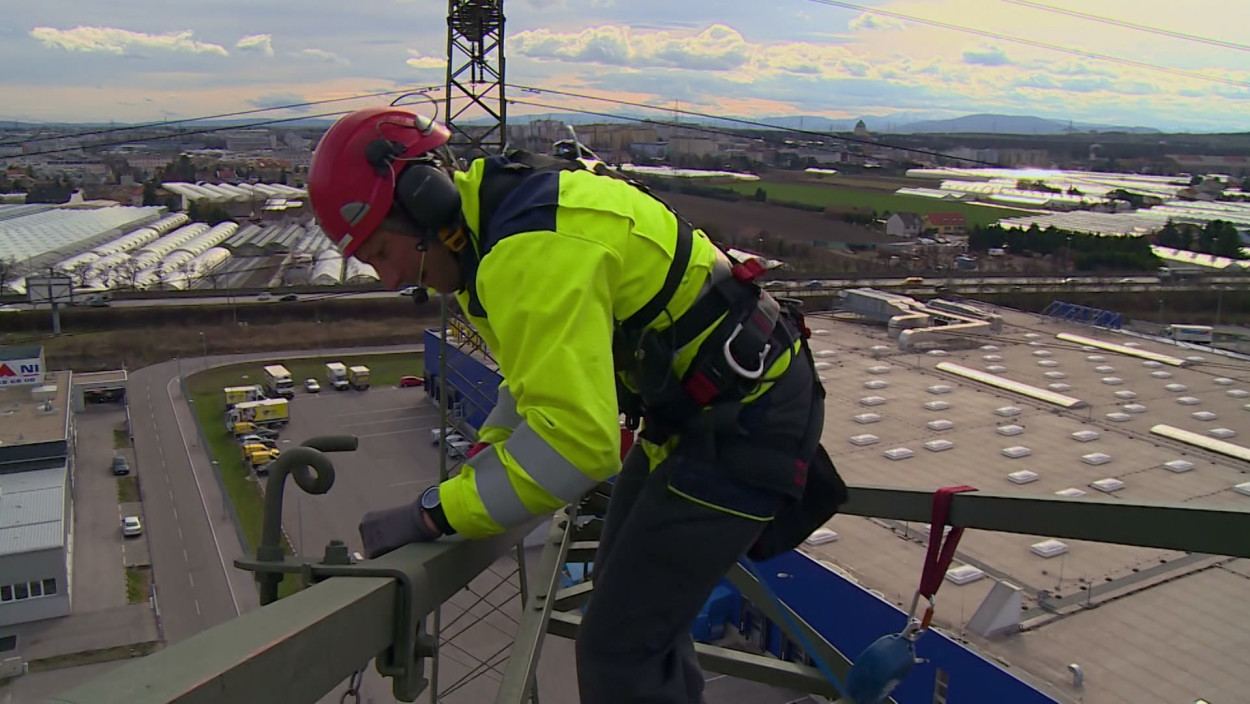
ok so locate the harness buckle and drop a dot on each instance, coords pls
(738, 368)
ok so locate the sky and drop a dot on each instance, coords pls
(143, 60)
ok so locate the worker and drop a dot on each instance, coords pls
(596, 299)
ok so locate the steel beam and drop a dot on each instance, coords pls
(518, 678)
(300, 647)
(1213, 530)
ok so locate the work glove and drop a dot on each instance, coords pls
(383, 531)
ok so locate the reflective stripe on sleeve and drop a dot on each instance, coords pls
(549, 471)
(504, 414)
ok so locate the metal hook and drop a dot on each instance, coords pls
(738, 368)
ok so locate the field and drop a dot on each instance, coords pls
(876, 199)
(204, 390)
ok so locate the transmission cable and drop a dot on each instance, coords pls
(1131, 25)
(1036, 44)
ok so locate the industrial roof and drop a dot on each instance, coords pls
(23, 422)
(895, 419)
(32, 510)
(225, 192)
(29, 236)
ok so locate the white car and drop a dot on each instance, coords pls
(311, 386)
(131, 526)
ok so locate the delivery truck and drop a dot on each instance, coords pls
(358, 376)
(278, 382)
(336, 375)
(241, 394)
(264, 413)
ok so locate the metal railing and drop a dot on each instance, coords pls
(304, 645)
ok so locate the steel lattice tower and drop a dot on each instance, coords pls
(475, 77)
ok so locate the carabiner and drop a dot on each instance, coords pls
(738, 368)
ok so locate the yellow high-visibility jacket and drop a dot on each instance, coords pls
(573, 253)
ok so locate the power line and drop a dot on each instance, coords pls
(1036, 44)
(1131, 25)
(218, 116)
(736, 120)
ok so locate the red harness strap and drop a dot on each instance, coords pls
(941, 548)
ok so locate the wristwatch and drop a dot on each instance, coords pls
(432, 506)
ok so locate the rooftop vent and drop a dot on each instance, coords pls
(1070, 493)
(1203, 415)
(1059, 386)
(1108, 485)
(1086, 435)
(1007, 411)
(1237, 393)
(821, 536)
(898, 453)
(996, 369)
(865, 439)
(823, 366)
(1049, 548)
(43, 396)
(1222, 433)
(1023, 476)
(1189, 401)
(825, 353)
(1096, 458)
(1178, 466)
(1010, 430)
(1195, 358)
(963, 574)
(1016, 451)
(1151, 364)
(872, 401)
(1047, 363)
(992, 357)
(879, 369)
(989, 348)
(1118, 417)
(1104, 369)
(938, 445)
(1042, 353)
(1036, 343)
(866, 418)
(1222, 381)
(940, 424)
(936, 406)
(1134, 408)
(1095, 358)
(1176, 388)
(1055, 375)
(939, 389)
(1088, 348)
(1132, 344)
(876, 384)
(820, 331)
(1161, 374)
(879, 350)
(1031, 336)
(1126, 395)
(1112, 380)
(938, 353)
(1242, 488)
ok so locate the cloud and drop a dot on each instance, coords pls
(321, 55)
(259, 43)
(426, 63)
(274, 100)
(867, 22)
(986, 56)
(111, 40)
(718, 47)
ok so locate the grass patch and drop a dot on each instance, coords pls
(121, 439)
(138, 584)
(88, 657)
(128, 490)
(833, 195)
(204, 390)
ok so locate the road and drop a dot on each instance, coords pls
(192, 540)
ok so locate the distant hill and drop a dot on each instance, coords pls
(1012, 124)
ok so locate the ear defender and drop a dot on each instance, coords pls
(381, 153)
(430, 199)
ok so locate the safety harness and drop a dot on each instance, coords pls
(755, 329)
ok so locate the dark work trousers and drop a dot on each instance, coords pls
(660, 555)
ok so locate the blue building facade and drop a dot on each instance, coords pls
(847, 615)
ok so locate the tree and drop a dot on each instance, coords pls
(761, 195)
(8, 271)
(80, 273)
(150, 196)
(127, 272)
(1227, 242)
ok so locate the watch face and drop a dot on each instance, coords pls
(429, 498)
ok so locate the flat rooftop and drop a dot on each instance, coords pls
(1154, 603)
(32, 508)
(23, 422)
(115, 376)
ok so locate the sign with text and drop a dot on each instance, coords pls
(21, 372)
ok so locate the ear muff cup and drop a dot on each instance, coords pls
(428, 196)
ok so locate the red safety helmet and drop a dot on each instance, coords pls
(356, 169)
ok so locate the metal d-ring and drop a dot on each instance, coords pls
(738, 368)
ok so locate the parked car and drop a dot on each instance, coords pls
(406, 381)
(289, 298)
(120, 466)
(311, 386)
(131, 526)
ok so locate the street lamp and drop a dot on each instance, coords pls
(204, 346)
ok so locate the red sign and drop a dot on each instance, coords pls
(5, 371)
